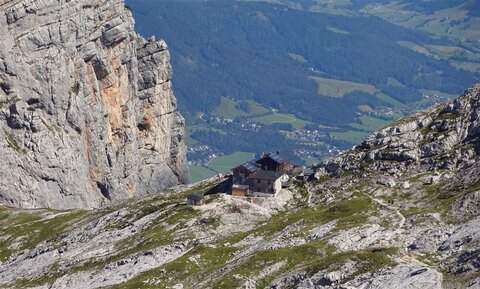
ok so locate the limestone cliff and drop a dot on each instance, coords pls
(87, 112)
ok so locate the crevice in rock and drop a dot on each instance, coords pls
(47, 179)
(143, 126)
(109, 157)
(32, 101)
(100, 68)
(104, 190)
(165, 114)
(6, 87)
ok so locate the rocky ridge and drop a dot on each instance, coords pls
(442, 138)
(426, 168)
(87, 112)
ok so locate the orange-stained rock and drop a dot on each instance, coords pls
(91, 116)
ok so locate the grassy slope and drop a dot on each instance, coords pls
(225, 163)
(352, 136)
(204, 261)
(434, 23)
(370, 123)
(199, 173)
(453, 22)
(281, 118)
(217, 165)
(390, 100)
(29, 228)
(340, 88)
(360, 130)
(228, 108)
(205, 265)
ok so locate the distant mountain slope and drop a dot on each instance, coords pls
(452, 18)
(306, 77)
(247, 51)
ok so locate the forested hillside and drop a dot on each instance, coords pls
(224, 48)
(328, 66)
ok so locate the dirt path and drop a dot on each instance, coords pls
(397, 212)
(406, 258)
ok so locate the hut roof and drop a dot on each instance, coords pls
(267, 175)
(251, 166)
(278, 157)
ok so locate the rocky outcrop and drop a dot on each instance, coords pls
(87, 112)
(400, 277)
(425, 168)
(443, 137)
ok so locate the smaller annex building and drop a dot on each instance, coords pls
(261, 177)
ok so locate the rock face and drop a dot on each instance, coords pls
(87, 112)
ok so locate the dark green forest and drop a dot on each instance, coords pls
(337, 73)
(240, 50)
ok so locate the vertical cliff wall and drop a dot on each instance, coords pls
(87, 112)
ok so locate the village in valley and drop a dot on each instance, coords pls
(265, 176)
